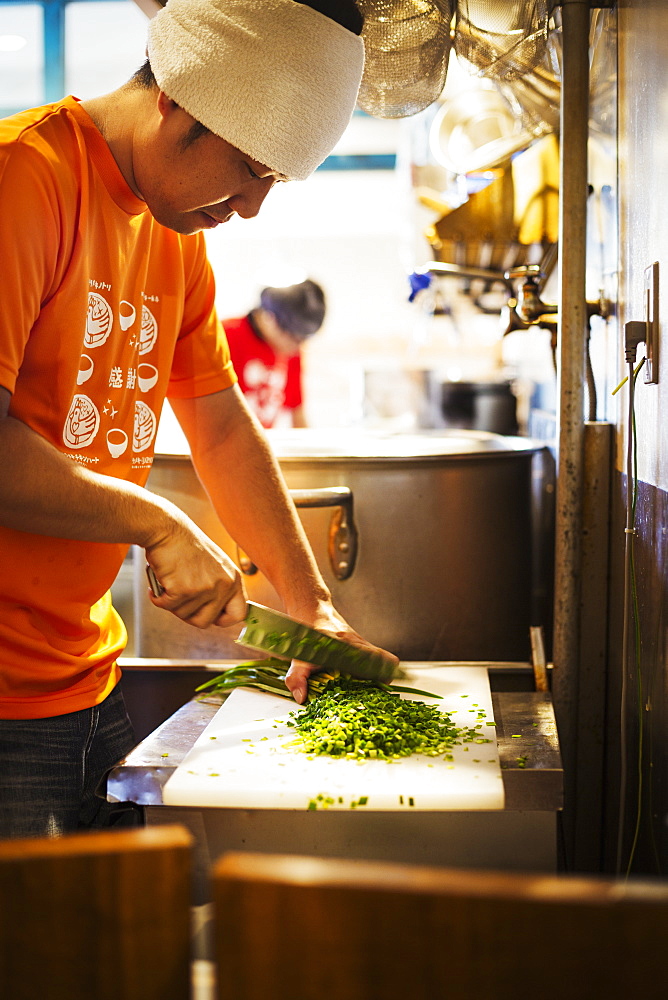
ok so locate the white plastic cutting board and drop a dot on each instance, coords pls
(241, 760)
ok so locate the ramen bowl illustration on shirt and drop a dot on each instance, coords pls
(99, 320)
(82, 423)
(86, 368)
(147, 376)
(149, 331)
(144, 426)
(117, 441)
(126, 314)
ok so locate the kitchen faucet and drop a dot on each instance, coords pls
(443, 268)
(422, 277)
(528, 309)
(529, 303)
(531, 308)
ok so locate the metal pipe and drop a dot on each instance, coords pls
(570, 371)
(444, 269)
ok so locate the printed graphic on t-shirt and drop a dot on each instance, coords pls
(265, 389)
(144, 427)
(149, 331)
(99, 320)
(86, 368)
(126, 314)
(123, 337)
(82, 423)
(117, 442)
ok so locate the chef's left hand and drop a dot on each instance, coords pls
(329, 621)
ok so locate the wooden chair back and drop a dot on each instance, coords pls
(298, 928)
(96, 916)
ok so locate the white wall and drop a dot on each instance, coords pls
(643, 155)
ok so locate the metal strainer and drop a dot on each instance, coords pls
(407, 45)
(503, 39)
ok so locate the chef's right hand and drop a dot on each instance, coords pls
(200, 583)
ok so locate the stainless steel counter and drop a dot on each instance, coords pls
(521, 836)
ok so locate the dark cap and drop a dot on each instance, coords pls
(299, 309)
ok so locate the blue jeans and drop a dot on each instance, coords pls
(50, 770)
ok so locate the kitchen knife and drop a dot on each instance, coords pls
(273, 632)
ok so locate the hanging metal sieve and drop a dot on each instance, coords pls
(407, 47)
(535, 97)
(503, 39)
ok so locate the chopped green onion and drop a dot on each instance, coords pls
(352, 718)
(361, 721)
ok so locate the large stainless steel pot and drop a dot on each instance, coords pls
(429, 542)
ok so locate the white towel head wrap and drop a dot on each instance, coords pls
(274, 78)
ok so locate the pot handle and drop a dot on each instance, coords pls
(342, 542)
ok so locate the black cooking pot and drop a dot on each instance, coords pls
(479, 406)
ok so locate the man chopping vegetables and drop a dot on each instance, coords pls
(108, 308)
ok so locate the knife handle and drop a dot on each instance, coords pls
(156, 587)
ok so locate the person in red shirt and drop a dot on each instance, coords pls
(265, 347)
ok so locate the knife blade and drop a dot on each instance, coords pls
(274, 632)
(271, 631)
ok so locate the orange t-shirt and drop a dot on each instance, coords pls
(104, 312)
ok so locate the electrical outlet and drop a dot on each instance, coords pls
(651, 317)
